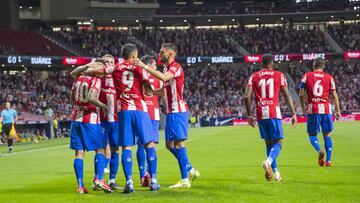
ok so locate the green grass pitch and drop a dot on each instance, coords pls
(228, 158)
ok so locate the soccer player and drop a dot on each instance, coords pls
(266, 85)
(8, 118)
(317, 86)
(134, 120)
(109, 122)
(85, 126)
(154, 112)
(176, 128)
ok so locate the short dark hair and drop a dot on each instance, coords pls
(319, 63)
(147, 59)
(170, 46)
(127, 50)
(266, 59)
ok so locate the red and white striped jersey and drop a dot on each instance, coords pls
(152, 102)
(318, 86)
(174, 89)
(108, 97)
(266, 85)
(128, 82)
(84, 111)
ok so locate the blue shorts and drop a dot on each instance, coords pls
(176, 126)
(271, 129)
(134, 128)
(111, 132)
(155, 130)
(86, 136)
(314, 121)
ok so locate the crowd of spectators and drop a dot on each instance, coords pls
(348, 35)
(198, 42)
(40, 93)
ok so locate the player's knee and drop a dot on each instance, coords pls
(126, 148)
(114, 149)
(169, 145)
(100, 151)
(79, 154)
(326, 134)
(179, 144)
(150, 145)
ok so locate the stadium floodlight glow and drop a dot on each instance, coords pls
(22, 66)
(233, 20)
(49, 66)
(91, 20)
(113, 21)
(209, 20)
(282, 18)
(137, 21)
(332, 16)
(257, 19)
(3, 65)
(185, 21)
(357, 15)
(30, 7)
(307, 17)
(20, 7)
(161, 21)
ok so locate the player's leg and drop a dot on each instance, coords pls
(107, 157)
(7, 129)
(152, 162)
(79, 171)
(146, 138)
(327, 127)
(113, 141)
(274, 167)
(94, 139)
(168, 137)
(76, 143)
(141, 160)
(126, 141)
(313, 128)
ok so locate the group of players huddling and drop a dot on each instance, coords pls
(116, 105)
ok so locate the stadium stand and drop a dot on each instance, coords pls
(347, 35)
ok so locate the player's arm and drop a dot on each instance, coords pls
(159, 92)
(77, 71)
(303, 100)
(337, 103)
(1, 117)
(157, 74)
(248, 98)
(290, 103)
(15, 117)
(93, 98)
(81, 69)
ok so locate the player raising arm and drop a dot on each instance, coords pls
(315, 88)
(86, 130)
(267, 85)
(176, 130)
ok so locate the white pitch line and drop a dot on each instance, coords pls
(35, 150)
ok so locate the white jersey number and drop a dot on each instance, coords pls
(128, 79)
(270, 83)
(81, 92)
(318, 89)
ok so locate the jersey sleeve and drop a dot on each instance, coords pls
(250, 82)
(303, 82)
(14, 113)
(283, 82)
(95, 84)
(175, 70)
(332, 84)
(145, 76)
